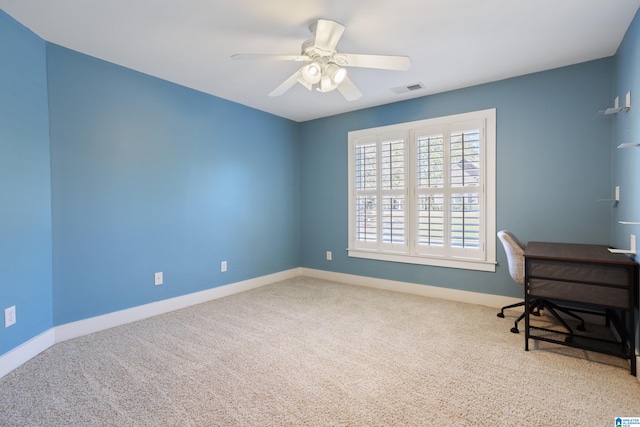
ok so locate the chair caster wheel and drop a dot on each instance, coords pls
(568, 340)
(500, 315)
(580, 328)
(536, 313)
(515, 330)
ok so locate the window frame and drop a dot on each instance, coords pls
(408, 251)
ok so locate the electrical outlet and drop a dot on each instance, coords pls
(9, 316)
(633, 244)
(223, 266)
(329, 256)
(158, 278)
(617, 193)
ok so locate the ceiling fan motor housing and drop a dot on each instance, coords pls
(310, 49)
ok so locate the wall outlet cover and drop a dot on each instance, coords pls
(9, 316)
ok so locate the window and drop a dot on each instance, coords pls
(424, 192)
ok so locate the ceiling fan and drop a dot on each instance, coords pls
(324, 65)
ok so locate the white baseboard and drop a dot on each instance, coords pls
(117, 318)
(26, 351)
(496, 301)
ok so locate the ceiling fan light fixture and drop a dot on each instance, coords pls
(312, 73)
(336, 74)
(326, 84)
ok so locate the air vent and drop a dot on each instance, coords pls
(408, 88)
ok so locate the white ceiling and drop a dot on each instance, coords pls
(452, 43)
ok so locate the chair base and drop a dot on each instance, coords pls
(540, 304)
(501, 314)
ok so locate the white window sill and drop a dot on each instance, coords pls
(462, 263)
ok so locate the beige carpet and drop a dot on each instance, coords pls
(306, 352)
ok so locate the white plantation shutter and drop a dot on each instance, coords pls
(467, 172)
(431, 181)
(366, 208)
(380, 192)
(424, 192)
(393, 169)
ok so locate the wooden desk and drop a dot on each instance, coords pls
(588, 275)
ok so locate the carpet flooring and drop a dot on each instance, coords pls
(307, 352)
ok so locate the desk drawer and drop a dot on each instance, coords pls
(578, 272)
(580, 292)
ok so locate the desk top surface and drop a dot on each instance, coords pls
(575, 252)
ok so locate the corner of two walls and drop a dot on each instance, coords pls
(149, 176)
(25, 186)
(109, 175)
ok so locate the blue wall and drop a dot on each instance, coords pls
(25, 195)
(150, 176)
(626, 128)
(553, 163)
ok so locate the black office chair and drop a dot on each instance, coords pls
(515, 256)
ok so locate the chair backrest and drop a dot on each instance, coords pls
(515, 255)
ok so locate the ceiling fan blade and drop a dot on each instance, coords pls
(349, 90)
(384, 62)
(327, 33)
(258, 56)
(287, 84)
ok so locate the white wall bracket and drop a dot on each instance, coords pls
(631, 250)
(616, 199)
(629, 145)
(616, 107)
